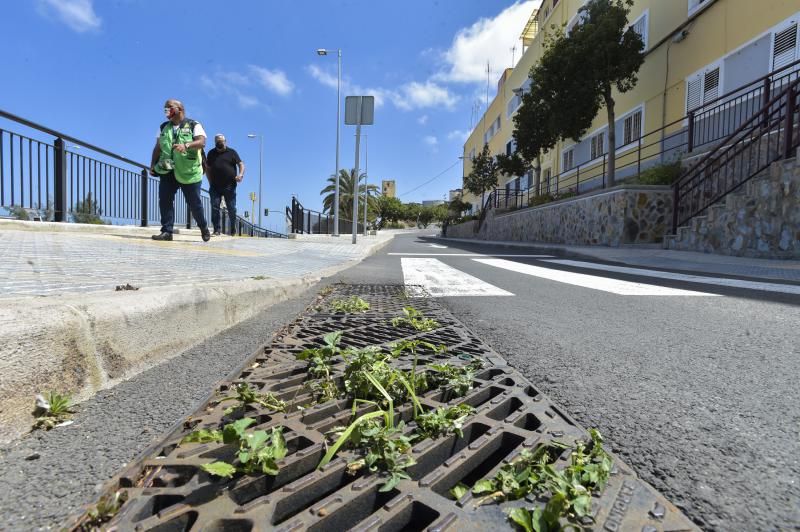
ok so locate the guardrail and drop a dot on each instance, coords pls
(62, 177)
(311, 222)
(701, 130)
(769, 135)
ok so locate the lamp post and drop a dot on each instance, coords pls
(366, 177)
(323, 52)
(260, 163)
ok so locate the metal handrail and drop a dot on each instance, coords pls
(708, 170)
(106, 182)
(301, 218)
(682, 140)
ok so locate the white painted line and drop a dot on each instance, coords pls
(472, 255)
(437, 246)
(441, 280)
(623, 288)
(718, 281)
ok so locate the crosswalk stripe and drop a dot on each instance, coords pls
(437, 246)
(615, 286)
(471, 255)
(731, 283)
(440, 280)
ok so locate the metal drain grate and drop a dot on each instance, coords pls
(167, 490)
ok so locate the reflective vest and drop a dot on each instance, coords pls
(187, 166)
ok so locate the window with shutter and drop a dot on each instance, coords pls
(632, 129)
(694, 94)
(784, 49)
(711, 85)
(694, 5)
(567, 159)
(597, 146)
(546, 178)
(640, 27)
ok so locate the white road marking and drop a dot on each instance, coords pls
(718, 281)
(437, 246)
(440, 280)
(623, 288)
(469, 255)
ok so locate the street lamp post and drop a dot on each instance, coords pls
(260, 166)
(322, 52)
(366, 178)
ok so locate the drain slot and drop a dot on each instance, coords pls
(353, 511)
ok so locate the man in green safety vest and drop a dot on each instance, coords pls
(177, 159)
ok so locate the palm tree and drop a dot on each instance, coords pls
(346, 182)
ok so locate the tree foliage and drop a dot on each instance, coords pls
(484, 173)
(388, 210)
(347, 183)
(576, 77)
(87, 211)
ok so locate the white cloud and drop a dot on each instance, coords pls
(413, 95)
(241, 86)
(488, 39)
(273, 80)
(432, 142)
(417, 95)
(79, 15)
(422, 120)
(458, 134)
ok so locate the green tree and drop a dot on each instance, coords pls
(411, 212)
(346, 186)
(426, 216)
(388, 210)
(483, 175)
(87, 211)
(576, 76)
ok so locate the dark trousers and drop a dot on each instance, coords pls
(167, 187)
(217, 193)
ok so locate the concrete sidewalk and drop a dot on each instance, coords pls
(64, 327)
(653, 256)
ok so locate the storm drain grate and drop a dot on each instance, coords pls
(167, 490)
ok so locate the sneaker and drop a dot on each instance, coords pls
(206, 234)
(163, 236)
(215, 233)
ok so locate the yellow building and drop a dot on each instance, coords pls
(696, 52)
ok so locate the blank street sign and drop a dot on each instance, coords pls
(351, 110)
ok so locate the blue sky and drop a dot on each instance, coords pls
(101, 70)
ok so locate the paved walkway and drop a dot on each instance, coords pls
(38, 262)
(653, 256)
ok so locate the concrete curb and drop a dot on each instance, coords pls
(85, 343)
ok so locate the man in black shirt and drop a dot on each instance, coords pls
(225, 170)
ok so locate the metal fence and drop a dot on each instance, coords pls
(700, 131)
(308, 221)
(63, 179)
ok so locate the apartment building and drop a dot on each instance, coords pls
(696, 51)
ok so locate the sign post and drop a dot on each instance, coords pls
(358, 111)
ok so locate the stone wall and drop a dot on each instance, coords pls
(622, 215)
(761, 219)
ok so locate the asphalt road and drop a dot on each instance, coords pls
(699, 393)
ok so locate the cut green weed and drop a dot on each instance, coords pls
(321, 384)
(416, 320)
(51, 410)
(246, 395)
(351, 305)
(104, 511)
(259, 451)
(442, 421)
(533, 472)
(455, 380)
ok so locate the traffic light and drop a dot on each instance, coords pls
(246, 214)
(266, 212)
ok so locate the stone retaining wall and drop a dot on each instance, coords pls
(621, 215)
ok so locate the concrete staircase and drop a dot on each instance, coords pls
(761, 219)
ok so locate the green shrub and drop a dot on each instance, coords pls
(18, 212)
(87, 211)
(662, 174)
